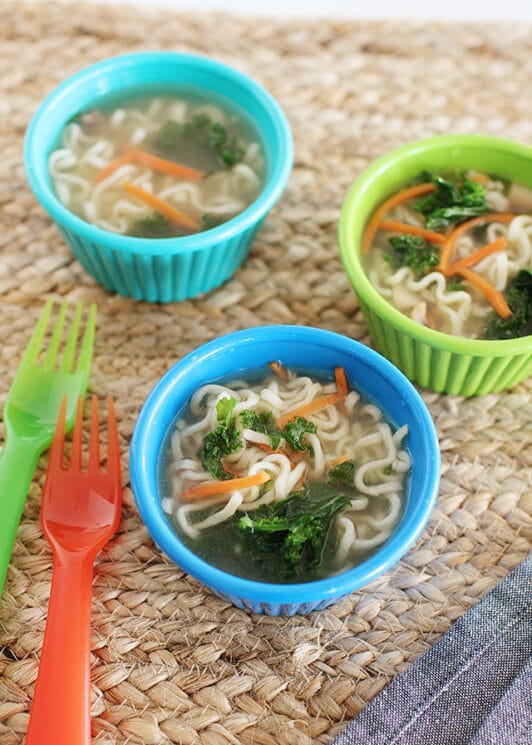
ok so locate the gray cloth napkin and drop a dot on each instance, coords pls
(474, 687)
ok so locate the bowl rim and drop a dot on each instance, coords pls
(350, 253)
(35, 161)
(145, 450)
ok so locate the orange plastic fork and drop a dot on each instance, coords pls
(80, 511)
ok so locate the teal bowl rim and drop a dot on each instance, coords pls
(353, 218)
(37, 147)
(158, 412)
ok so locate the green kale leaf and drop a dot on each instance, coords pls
(413, 251)
(156, 226)
(343, 473)
(294, 529)
(454, 284)
(200, 142)
(452, 202)
(224, 410)
(208, 221)
(294, 431)
(264, 423)
(519, 297)
(224, 439)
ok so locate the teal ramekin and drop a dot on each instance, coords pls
(440, 362)
(164, 269)
(303, 348)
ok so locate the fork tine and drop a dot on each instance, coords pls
(55, 461)
(94, 441)
(113, 448)
(72, 339)
(77, 437)
(53, 345)
(34, 345)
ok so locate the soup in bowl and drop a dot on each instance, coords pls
(436, 238)
(159, 168)
(284, 467)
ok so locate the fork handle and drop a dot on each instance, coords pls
(60, 713)
(18, 461)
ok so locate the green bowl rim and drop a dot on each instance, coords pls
(350, 252)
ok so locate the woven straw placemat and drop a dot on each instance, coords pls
(171, 663)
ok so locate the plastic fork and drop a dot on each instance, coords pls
(47, 371)
(80, 511)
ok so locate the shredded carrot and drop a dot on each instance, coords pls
(153, 162)
(213, 488)
(401, 196)
(113, 166)
(341, 381)
(479, 178)
(268, 448)
(161, 165)
(402, 227)
(300, 484)
(292, 456)
(464, 227)
(159, 205)
(279, 369)
(489, 291)
(338, 461)
(264, 446)
(476, 256)
(328, 399)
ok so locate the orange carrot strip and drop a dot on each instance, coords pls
(279, 369)
(479, 178)
(153, 162)
(268, 449)
(159, 205)
(338, 461)
(490, 292)
(402, 227)
(213, 488)
(341, 381)
(448, 246)
(300, 484)
(328, 399)
(476, 256)
(264, 446)
(292, 456)
(113, 166)
(402, 196)
(161, 165)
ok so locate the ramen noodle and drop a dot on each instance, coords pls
(345, 460)
(468, 276)
(158, 167)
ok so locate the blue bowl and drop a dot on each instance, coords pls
(163, 269)
(298, 347)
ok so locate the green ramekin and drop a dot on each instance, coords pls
(441, 362)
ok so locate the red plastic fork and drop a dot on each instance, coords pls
(80, 511)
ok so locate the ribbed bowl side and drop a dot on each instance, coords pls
(87, 255)
(165, 277)
(444, 371)
(277, 609)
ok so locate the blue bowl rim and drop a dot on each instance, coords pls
(144, 452)
(36, 169)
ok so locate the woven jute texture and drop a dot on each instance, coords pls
(172, 663)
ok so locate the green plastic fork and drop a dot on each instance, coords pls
(46, 373)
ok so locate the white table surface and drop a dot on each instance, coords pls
(473, 10)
